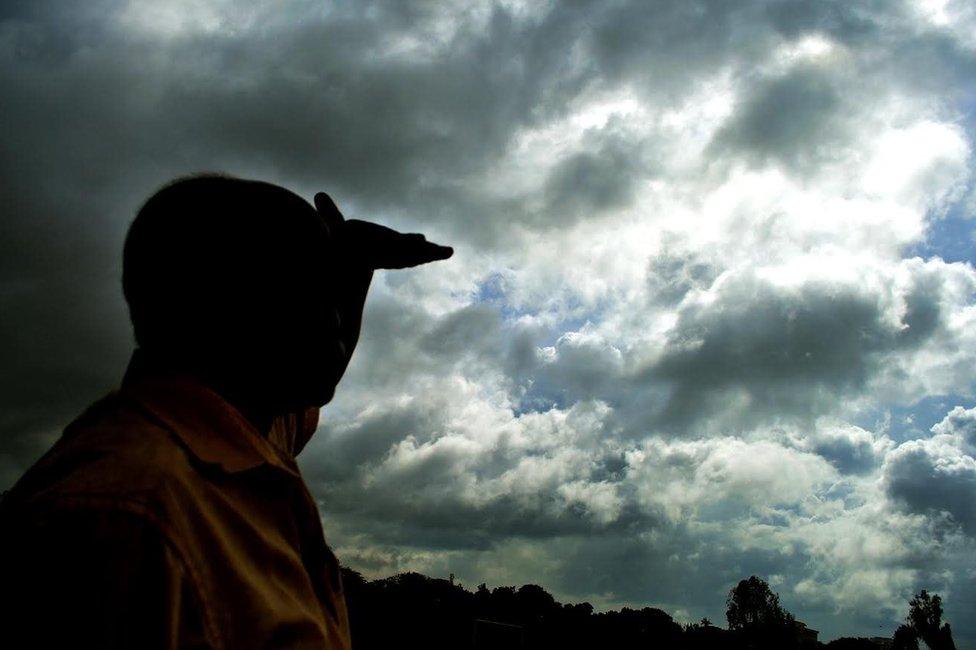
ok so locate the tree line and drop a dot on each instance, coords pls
(414, 610)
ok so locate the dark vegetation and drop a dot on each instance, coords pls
(412, 610)
(924, 623)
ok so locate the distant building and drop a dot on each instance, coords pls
(806, 635)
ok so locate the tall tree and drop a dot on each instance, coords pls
(925, 619)
(752, 604)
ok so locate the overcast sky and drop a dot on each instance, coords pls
(711, 311)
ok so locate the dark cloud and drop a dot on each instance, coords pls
(937, 476)
(600, 177)
(794, 119)
(847, 455)
(932, 478)
(780, 351)
(473, 329)
(756, 338)
(661, 47)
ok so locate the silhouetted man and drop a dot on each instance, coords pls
(171, 514)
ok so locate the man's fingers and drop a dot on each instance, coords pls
(380, 247)
(415, 257)
(412, 249)
(434, 252)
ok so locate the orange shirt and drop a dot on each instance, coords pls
(163, 519)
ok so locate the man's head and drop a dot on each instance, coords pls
(235, 279)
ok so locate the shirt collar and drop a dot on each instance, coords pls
(211, 428)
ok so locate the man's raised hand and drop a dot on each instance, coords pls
(376, 246)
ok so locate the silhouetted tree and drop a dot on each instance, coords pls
(751, 603)
(413, 610)
(703, 623)
(753, 610)
(925, 618)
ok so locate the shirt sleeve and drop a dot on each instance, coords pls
(95, 579)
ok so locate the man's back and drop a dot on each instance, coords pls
(163, 519)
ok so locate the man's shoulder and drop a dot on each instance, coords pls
(114, 455)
